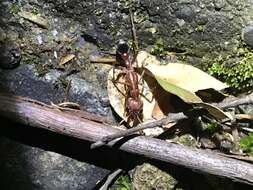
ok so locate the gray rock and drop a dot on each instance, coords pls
(219, 4)
(23, 81)
(25, 167)
(10, 55)
(148, 176)
(247, 35)
(34, 168)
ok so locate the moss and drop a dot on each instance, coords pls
(30, 59)
(211, 127)
(246, 144)
(33, 59)
(238, 74)
(42, 69)
(158, 48)
(200, 28)
(14, 8)
(35, 10)
(122, 183)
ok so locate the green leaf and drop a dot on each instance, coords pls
(180, 79)
(185, 95)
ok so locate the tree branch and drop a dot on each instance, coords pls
(173, 117)
(35, 114)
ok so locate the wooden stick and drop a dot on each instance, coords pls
(35, 114)
(169, 119)
(235, 102)
(173, 118)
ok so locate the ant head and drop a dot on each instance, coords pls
(122, 52)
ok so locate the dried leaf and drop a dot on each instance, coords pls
(157, 112)
(66, 59)
(185, 95)
(116, 92)
(215, 111)
(244, 117)
(179, 79)
(35, 19)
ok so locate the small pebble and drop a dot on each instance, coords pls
(247, 35)
(10, 56)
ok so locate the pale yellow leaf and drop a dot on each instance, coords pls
(180, 79)
(117, 95)
(66, 59)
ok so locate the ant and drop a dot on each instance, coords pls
(133, 102)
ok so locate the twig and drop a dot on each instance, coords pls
(110, 178)
(247, 129)
(235, 102)
(66, 94)
(168, 119)
(135, 40)
(32, 114)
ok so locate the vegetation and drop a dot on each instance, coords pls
(158, 47)
(246, 144)
(238, 75)
(122, 183)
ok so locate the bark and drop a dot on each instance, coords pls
(36, 114)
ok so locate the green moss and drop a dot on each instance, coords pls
(239, 76)
(122, 183)
(33, 59)
(35, 10)
(200, 28)
(246, 144)
(158, 48)
(30, 59)
(211, 127)
(42, 69)
(14, 8)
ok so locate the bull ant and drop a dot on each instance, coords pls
(133, 102)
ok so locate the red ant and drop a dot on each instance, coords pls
(133, 102)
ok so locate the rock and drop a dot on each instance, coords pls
(2, 35)
(247, 35)
(50, 88)
(147, 176)
(35, 168)
(10, 55)
(187, 140)
(30, 168)
(185, 12)
(200, 30)
(219, 4)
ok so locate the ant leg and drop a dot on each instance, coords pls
(139, 119)
(143, 86)
(141, 77)
(116, 81)
(120, 123)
